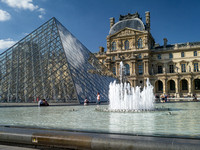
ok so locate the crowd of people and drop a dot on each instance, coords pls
(165, 98)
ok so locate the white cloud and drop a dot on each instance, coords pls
(40, 16)
(4, 15)
(42, 11)
(21, 4)
(25, 5)
(6, 43)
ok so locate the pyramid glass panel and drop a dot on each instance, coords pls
(51, 63)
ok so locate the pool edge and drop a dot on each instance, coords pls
(84, 140)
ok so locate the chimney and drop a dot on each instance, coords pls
(112, 22)
(165, 42)
(101, 49)
(147, 14)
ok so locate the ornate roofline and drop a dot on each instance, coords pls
(130, 16)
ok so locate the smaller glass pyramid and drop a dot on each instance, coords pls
(51, 63)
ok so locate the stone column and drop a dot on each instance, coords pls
(146, 67)
(147, 15)
(108, 45)
(190, 86)
(133, 66)
(117, 69)
(134, 83)
(108, 66)
(165, 68)
(164, 86)
(177, 87)
(112, 21)
(131, 69)
(178, 67)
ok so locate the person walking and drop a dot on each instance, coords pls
(98, 98)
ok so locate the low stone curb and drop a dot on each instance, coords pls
(94, 141)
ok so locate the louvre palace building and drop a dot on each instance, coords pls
(173, 69)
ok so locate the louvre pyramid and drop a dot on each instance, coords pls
(51, 63)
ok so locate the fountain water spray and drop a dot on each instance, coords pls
(123, 97)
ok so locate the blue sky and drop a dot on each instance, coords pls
(88, 20)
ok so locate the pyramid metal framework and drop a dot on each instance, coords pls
(51, 63)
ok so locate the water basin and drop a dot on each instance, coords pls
(182, 120)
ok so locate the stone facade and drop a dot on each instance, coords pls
(172, 69)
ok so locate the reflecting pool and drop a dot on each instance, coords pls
(182, 119)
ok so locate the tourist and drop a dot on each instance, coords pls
(43, 102)
(165, 98)
(194, 97)
(40, 102)
(98, 98)
(157, 98)
(46, 103)
(86, 102)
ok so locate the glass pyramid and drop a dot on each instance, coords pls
(51, 63)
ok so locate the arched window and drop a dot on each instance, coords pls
(140, 43)
(114, 70)
(197, 84)
(127, 69)
(160, 86)
(170, 55)
(172, 85)
(126, 44)
(113, 46)
(184, 84)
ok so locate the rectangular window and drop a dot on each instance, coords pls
(160, 70)
(139, 56)
(140, 69)
(171, 68)
(182, 54)
(196, 67)
(113, 58)
(170, 55)
(114, 70)
(183, 68)
(159, 56)
(195, 53)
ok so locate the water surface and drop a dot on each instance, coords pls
(184, 119)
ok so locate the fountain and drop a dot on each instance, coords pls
(125, 98)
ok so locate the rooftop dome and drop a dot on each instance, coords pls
(135, 23)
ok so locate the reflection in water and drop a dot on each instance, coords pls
(184, 119)
(132, 123)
